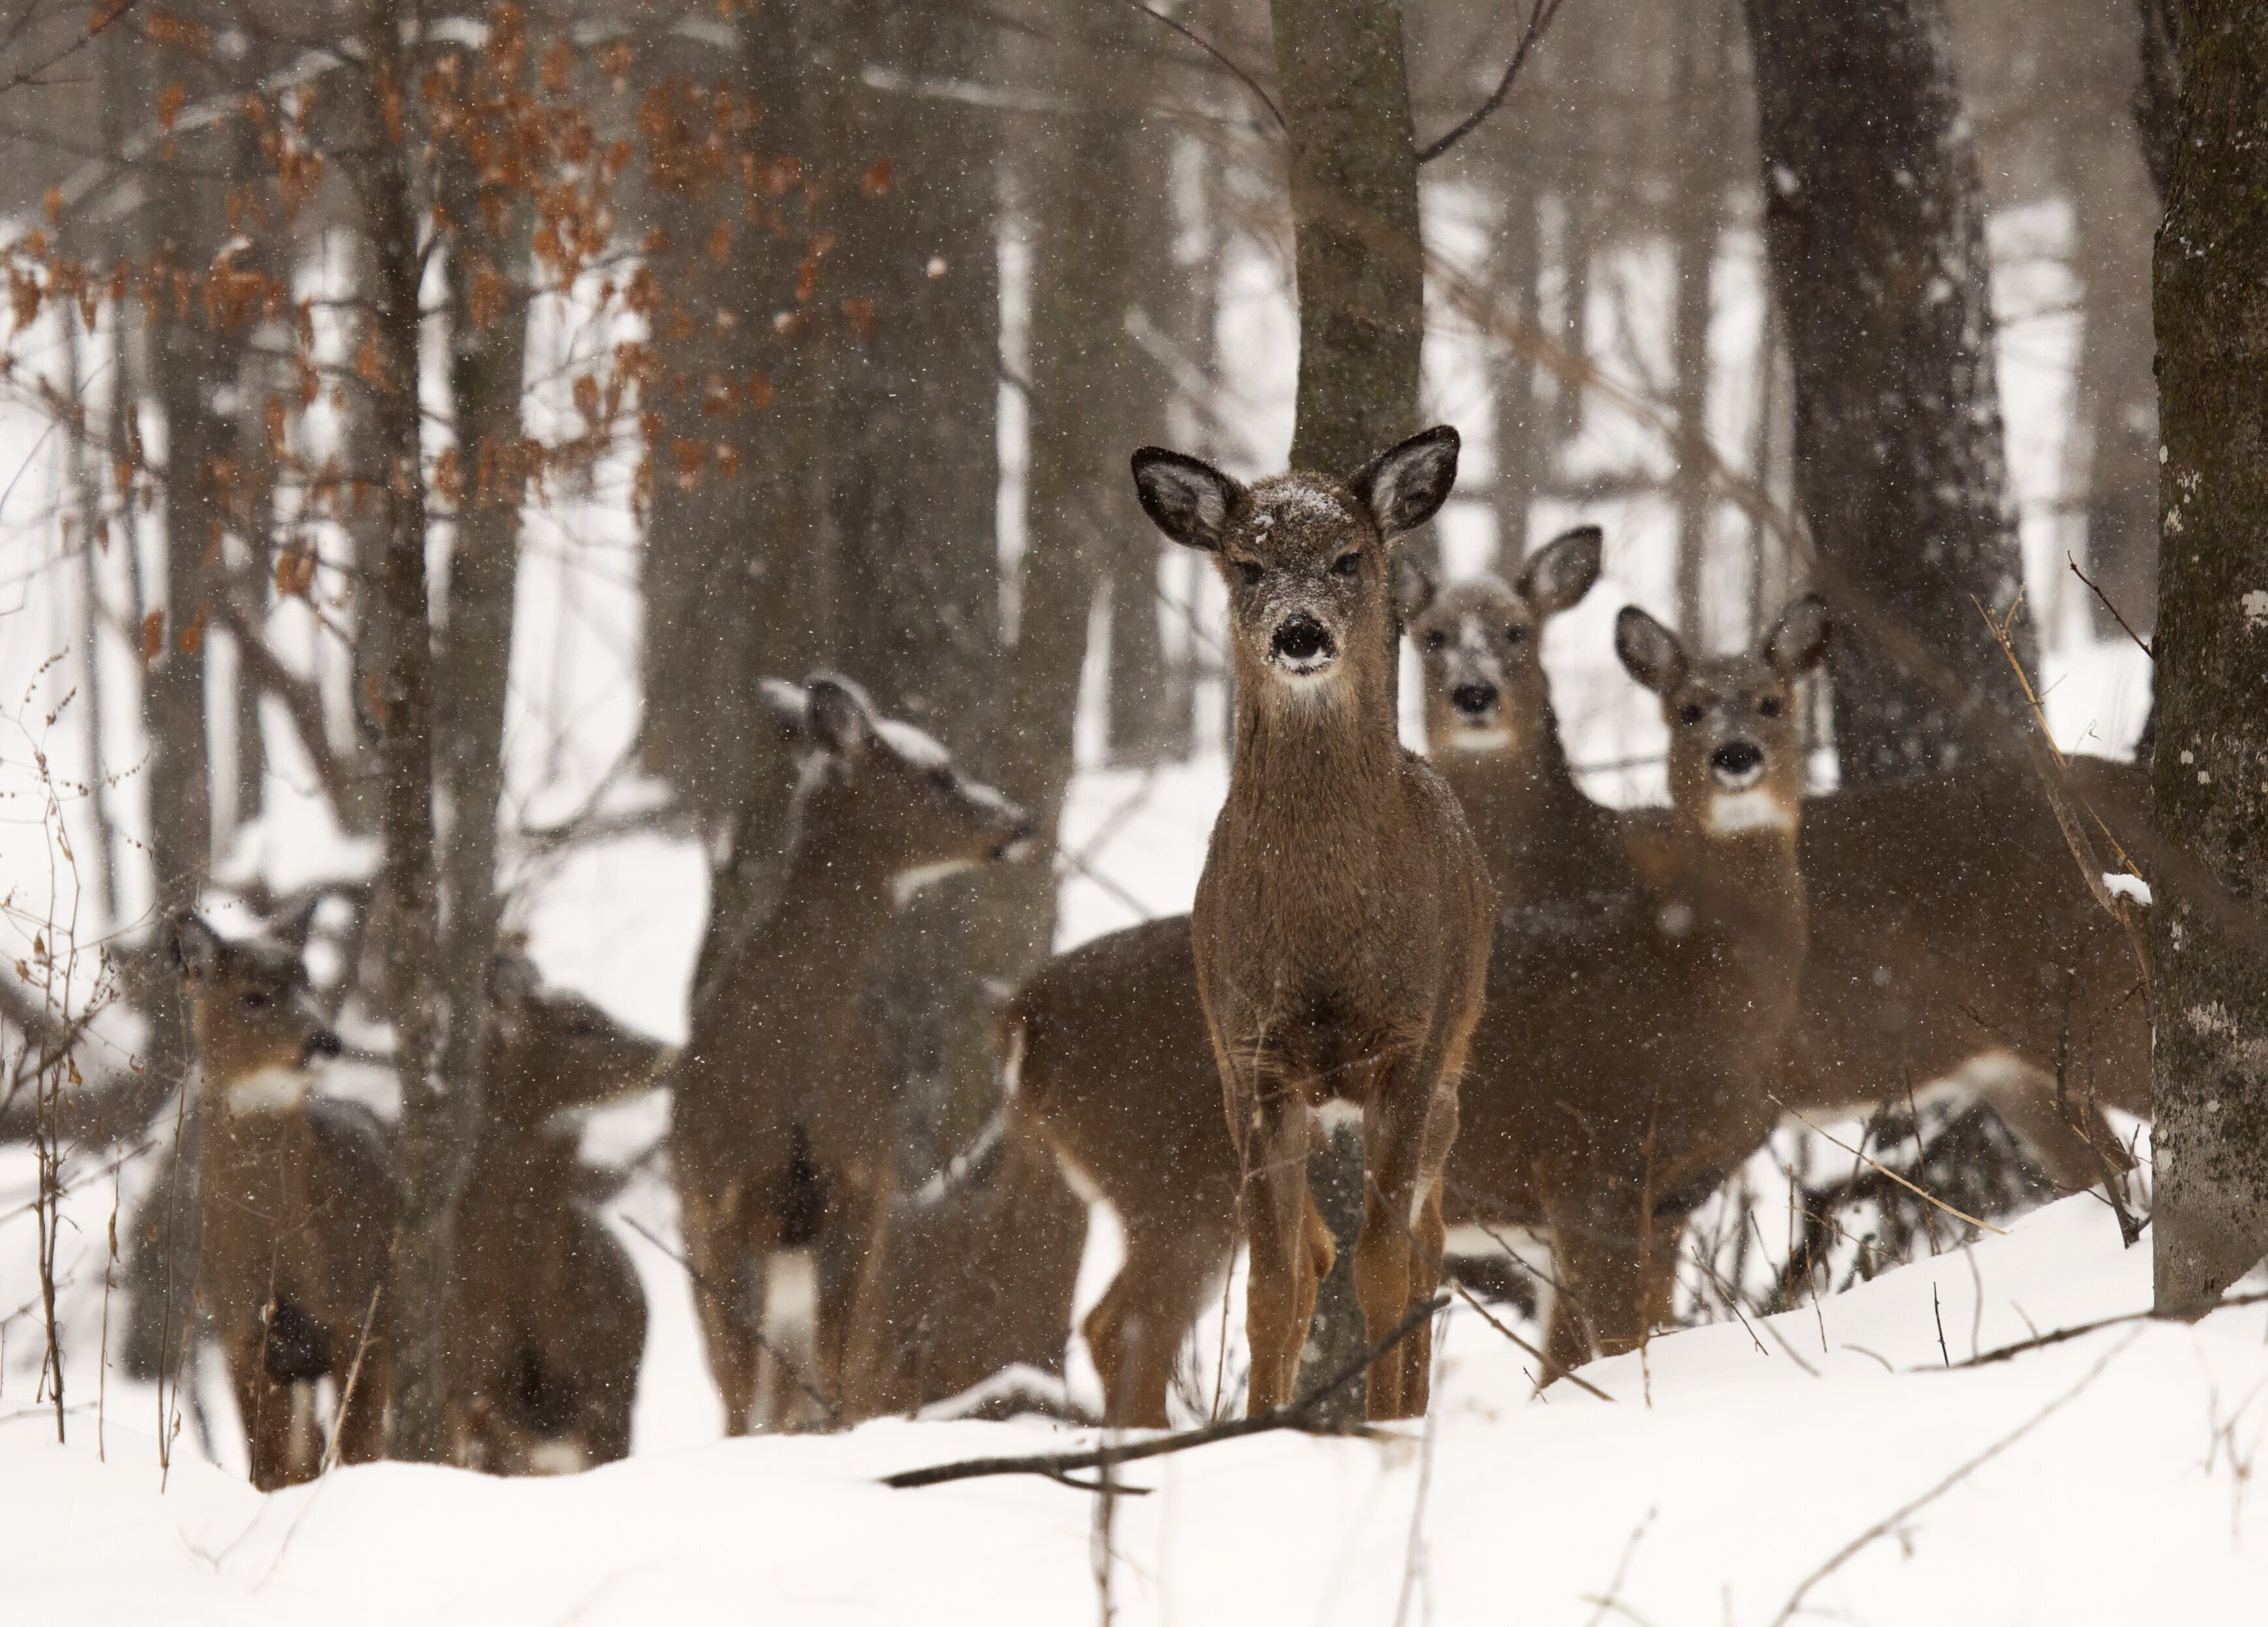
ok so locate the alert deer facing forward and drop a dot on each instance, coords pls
(783, 1128)
(295, 1206)
(1343, 918)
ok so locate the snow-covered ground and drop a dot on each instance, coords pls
(2105, 1479)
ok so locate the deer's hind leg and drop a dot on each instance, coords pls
(1136, 1331)
(264, 1405)
(721, 1245)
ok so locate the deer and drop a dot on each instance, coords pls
(1098, 1037)
(782, 1135)
(295, 1207)
(1341, 927)
(549, 1321)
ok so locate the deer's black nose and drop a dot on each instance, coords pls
(321, 1043)
(1474, 698)
(1302, 638)
(1736, 759)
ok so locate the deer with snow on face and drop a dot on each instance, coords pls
(295, 1205)
(1341, 930)
(550, 1320)
(782, 1132)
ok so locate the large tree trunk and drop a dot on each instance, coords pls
(1353, 163)
(2211, 1218)
(914, 475)
(436, 1128)
(487, 352)
(1696, 219)
(1874, 225)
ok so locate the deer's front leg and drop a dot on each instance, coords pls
(1282, 1228)
(1410, 1120)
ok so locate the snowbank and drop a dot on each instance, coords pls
(1713, 1502)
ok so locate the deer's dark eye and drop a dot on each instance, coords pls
(1515, 635)
(1436, 639)
(255, 999)
(1768, 707)
(942, 778)
(1251, 571)
(1346, 564)
(1688, 713)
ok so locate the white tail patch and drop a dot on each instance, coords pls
(557, 1457)
(1732, 814)
(271, 1090)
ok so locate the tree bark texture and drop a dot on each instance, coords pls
(490, 229)
(733, 536)
(1360, 263)
(2211, 1218)
(1874, 229)
(913, 471)
(1360, 266)
(436, 1130)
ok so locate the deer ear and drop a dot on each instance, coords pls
(1563, 570)
(785, 705)
(1798, 640)
(1186, 498)
(293, 931)
(196, 947)
(1649, 650)
(1413, 586)
(1405, 487)
(840, 719)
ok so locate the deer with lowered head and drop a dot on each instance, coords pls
(550, 1320)
(1341, 931)
(782, 1131)
(295, 1205)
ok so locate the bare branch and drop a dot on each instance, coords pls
(1056, 1465)
(1539, 19)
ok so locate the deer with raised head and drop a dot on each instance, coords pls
(550, 1320)
(1341, 930)
(295, 1206)
(1100, 1046)
(784, 1130)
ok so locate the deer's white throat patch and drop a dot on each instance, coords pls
(1735, 812)
(1480, 742)
(906, 883)
(271, 1090)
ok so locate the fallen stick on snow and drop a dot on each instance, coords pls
(1058, 1466)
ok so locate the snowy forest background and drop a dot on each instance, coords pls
(756, 337)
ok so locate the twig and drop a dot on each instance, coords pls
(2144, 645)
(1891, 1522)
(1607, 1601)
(354, 1372)
(834, 1413)
(2061, 1335)
(1539, 19)
(1292, 1414)
(1210, 49)
(1982, 1226)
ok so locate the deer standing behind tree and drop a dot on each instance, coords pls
(295, 1210)
(1341, 927)
(784, 1130)
(550, 1320)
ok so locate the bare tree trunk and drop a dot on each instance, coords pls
(1696, 219)
(2211, 1218)
(1875, 227)
(1353, 165)
(2116, 211)
(94, 535)
(1523, 441)
(488, 354)
(436, 1128)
